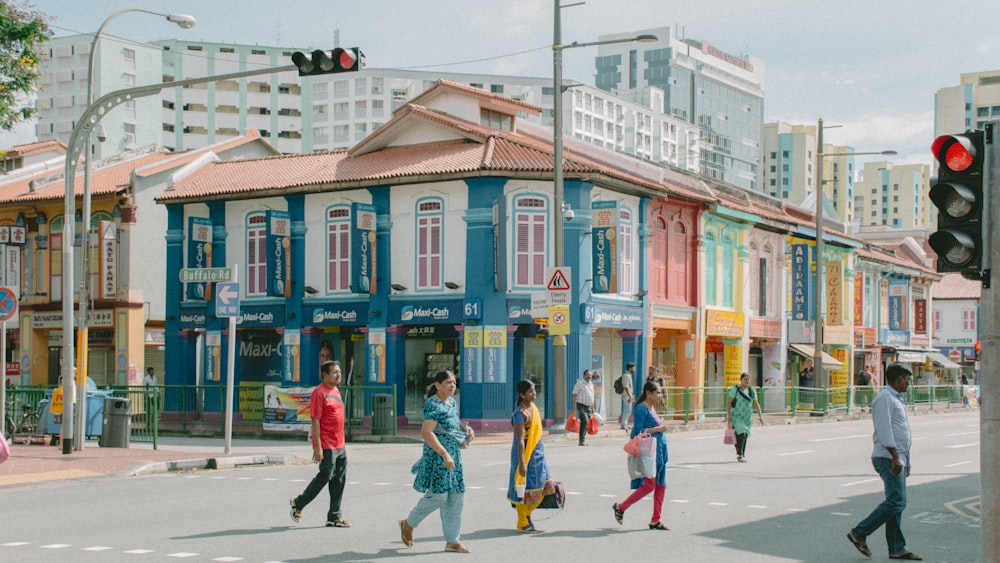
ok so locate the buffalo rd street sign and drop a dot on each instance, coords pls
(206, 275)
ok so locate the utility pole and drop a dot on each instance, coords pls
(989, 387)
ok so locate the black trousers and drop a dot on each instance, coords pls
(741, 444)
(333, 475)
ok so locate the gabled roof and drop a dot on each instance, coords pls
(492, 100)
(954, 286)
(463, 150)
(35, 148)
(107, 179)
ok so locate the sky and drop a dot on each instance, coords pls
(870, 68)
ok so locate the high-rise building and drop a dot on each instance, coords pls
(118, 64)
(894, 195)
(788, 168)
(720, 93)
(974, 101)
(323, 112)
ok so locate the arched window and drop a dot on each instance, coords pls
(429, 243)
(531, 217)
(338, 248)
(256, 229)
(658, 259)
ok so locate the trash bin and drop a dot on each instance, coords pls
(117, 423)
(383, 415)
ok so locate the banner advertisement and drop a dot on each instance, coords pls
(897, 304)
(199, 254)
(286, 409)
(859, 299)
(213, 356)
(291, 370)
(605, 246)
(800, 290)
(109, 260)
(495, 354)
(834, 293)
(472, 355)
(363, 248)
(733, 354)
(279, 264)
(840, 379)
(376, 355)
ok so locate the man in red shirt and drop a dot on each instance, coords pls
(327, 412)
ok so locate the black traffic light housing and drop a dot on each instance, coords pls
(957, 192)
(319, 62)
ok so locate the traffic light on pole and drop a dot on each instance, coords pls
(957, 192)
(319, 62)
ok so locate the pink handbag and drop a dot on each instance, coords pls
(729, 438)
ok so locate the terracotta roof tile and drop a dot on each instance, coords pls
(108, 179)
(954, 286)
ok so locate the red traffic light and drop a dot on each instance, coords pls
(954, 152)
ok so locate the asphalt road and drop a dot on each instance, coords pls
(804, 487)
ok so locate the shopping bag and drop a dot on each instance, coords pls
(647, 446)
(555, 500)
(729, 438)
(572, 423)
(632, 446)
(642, 466)
(593, 427)
(4, 449)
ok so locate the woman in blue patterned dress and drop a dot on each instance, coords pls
(648, 422)
(439, 471)
(529, 479)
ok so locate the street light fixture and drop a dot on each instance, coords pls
(186, 22)
(820, 262)
(559, 341)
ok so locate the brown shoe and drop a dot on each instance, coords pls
(456, 548)
(406, 532)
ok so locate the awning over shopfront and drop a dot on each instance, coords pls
(911, 355)
(942, 360)
(809, 351)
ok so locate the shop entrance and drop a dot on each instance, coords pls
(429, 349)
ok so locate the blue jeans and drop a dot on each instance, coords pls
(626, 411)
(450, 504)
(333, 475)
(890, 512)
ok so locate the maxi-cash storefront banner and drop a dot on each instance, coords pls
(286, 409)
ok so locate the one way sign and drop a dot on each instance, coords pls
(227, 299)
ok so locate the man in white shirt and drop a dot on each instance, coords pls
(891, 459)
(149, 381)
(583, 396)
(627, 396)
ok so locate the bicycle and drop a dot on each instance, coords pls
(27, 423)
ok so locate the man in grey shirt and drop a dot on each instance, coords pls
(891, 459)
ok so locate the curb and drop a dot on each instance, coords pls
(209, 463)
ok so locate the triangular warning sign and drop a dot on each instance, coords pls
(558, 282)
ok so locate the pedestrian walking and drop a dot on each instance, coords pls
(653, 374)
(627, 396)
(739, 413)
(891, 460)
(327, 412)
(530, 479)
(863, 389)
(583, 396)
(439, 471)
(645, 420)
(150, 383)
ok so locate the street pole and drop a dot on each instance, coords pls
(77, 140)
(559, 393)
(186, 22)
(820, 264)
(989, 388)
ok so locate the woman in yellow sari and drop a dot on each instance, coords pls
(529, 473)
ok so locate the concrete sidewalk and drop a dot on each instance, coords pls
(41, 463)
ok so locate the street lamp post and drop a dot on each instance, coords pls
(559, 341)
(184, 21)
(820, 261)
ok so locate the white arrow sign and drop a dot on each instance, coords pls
(227, 294)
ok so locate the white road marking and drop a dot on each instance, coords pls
(798, 453)
(851, 437)
(228, 559)
(704, 438)
(960, 434)
(269, 479)
(957, 464)
(381, 484)
(56, 546)
(244, 478)
(139, 551)
(14, 544)
(758, 506)
(840, 514)
(570, 492)
(97, 548)
(471, 487)
(718, 504)
(605, 495)
(797, 510)
(494, 464)
(182, 554)
(956, 446)
(852, 483)
(680, 500)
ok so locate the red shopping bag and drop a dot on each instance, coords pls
(592, 426)
(572, 423)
